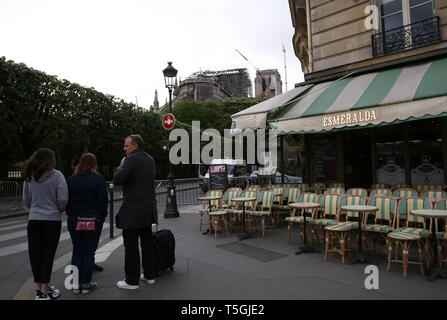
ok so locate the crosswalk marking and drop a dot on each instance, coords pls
(105, 251)
(21, 225)
(19, 234)
(24, 245)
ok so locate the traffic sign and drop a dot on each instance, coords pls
(168, 121)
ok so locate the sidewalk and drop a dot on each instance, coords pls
(260, 268)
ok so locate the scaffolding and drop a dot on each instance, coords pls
(236, 81)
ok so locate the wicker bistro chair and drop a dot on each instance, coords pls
(405, 236)
(382, 192)
(228, 205)
(428, 187)
(433, 195)
(210, 205)
(380, 186)
(340, 191)
(263, 208)
(341, 231)
(383, 221)
(302, 198)
(357, 192)
(227, 195)
(289, 195)
(235, 211)
(318, 185)
(441, 236)
(405, 193)
(336, 185)
(304, 187)
(327, 213)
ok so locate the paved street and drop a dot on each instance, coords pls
(216, 269)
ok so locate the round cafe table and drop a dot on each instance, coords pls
(244, 235)
(305, 248)
(209, 199)
(435, 267)
(361, 209)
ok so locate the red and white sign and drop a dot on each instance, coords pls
(168, 121)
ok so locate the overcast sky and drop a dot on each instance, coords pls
(121, 47)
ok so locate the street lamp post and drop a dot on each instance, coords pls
(171, 211)
(84, 122)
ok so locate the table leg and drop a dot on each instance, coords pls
(245, 235)
(435, 271)
(209, 228)
(305, 248)
(360, 258)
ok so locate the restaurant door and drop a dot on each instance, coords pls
(357, 160)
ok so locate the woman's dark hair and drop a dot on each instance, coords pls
(86, 163)
(42, 160)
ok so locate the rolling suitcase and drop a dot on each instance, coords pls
(164, 250)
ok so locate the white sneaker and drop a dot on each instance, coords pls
(123, 285)
(148, 281)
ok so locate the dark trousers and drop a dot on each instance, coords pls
(84, 247)
(132, 254)
(43, 239)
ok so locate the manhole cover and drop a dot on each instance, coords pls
(251, 251)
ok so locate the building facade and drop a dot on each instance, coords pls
(373, 107)
(267, 84)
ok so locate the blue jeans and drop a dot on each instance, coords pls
(84, 247)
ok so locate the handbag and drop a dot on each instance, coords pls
(85, 224)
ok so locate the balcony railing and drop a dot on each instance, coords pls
(411, 36)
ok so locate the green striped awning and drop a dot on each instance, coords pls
(391, 96)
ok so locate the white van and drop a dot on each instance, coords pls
(237, 172)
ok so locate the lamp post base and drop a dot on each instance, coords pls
(171, 210)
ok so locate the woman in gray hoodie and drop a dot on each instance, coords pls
(45, 194)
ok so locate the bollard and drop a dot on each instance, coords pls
(111, 204)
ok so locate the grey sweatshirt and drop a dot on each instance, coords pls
(47, 198)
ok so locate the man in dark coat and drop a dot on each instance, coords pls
(136, 174)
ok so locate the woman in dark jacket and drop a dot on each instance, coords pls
(86, 210)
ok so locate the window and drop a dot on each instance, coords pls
(405, 24)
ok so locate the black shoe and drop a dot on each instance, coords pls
(53, 292)
(41, 296)
(89, 288)
(97, 268)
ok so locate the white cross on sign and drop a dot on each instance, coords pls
(168, 121)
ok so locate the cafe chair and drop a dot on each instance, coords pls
(381, 192)
(327, 213)
(317, 185)
(253, 187)
(433, 195)
(357, 192)
(411, 231)
(441, 236)
(380, 186)
(228, 205)
(306, 197)
(340, 191)
(210, 205)
(402, 193)
(263, 208)
(236, 211)
(289, 195)
(336, 185)
(304, 187)
(428, 187)
(383, 220)
(400, 185)
(341, 232)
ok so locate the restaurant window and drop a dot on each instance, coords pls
(425, 147)
(294, 156)
(324, 152)
(390, 161)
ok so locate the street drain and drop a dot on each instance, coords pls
(251, 251)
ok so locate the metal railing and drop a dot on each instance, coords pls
(411, 36)
(187, 193)
(10, 191)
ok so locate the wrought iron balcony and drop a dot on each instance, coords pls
(411, 36)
